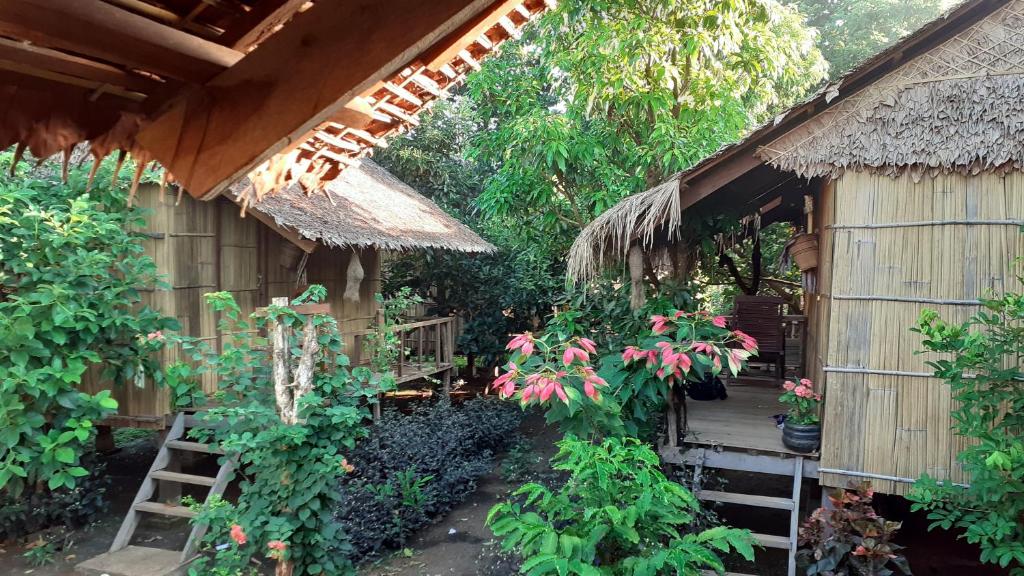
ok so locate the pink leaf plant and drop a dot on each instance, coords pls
(540, 370)
(689, 345)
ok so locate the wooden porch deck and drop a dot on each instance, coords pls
(743, 421)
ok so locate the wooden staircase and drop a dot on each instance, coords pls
(700, 458)
(123, 559)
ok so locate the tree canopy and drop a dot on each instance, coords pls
(602, 99)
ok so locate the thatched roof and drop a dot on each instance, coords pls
(367, 206)
(958, 107)
(946, 98)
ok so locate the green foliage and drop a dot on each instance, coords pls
(678, 347)
(71, 278)
(615, 514)
(850, 538)
(601, 99)
(289, 470)
(851, 31)
(399, 485)
(383, 344)
(40, 555)
(981, 362)
(37, 507)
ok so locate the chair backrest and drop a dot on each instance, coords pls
(761, 317)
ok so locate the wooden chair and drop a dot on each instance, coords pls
(761, 317)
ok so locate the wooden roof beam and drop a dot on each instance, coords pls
(99, 30)
(259, 23)
(447, 49)
(294, 82)
(53, 61)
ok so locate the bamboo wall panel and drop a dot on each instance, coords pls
(329, 267)
(885, 269)
(202, 247)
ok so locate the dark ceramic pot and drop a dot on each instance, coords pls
(801, 438)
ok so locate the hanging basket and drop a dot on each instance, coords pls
(804, 251)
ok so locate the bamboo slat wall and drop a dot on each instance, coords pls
(895, 248)
(204, 247)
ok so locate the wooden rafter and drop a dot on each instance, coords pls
(210, 138)
(97, 29)
(458, 40)
(259, 23)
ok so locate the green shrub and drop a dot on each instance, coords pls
(289, 464)
(37, 508)
(981, 362)
(616, 514)
(414, 468)
(71, 280)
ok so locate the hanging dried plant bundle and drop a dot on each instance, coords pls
(353, 278)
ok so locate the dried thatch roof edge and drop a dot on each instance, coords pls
(335, 221)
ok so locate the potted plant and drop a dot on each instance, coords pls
(801, 431)
(803, 249)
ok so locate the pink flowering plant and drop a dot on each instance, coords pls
(558, 375)
(688, 346)
(804, 403)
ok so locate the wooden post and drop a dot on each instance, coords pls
(672, 421)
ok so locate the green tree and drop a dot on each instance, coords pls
(604, 98)
(851, 31)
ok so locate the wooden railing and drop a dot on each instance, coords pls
(427, 348)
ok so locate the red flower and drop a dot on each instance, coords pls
(807, 382)
(788, 386)
(277, 549)
(719, 321)
(860, 551)
(238, 535)
(658, 324)
(506, 383)
(346, 466)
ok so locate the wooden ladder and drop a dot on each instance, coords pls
(792, 504)
(162, 470)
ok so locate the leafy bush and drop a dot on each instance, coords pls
(71, 278)
(36, 509)
(615, 514)
(982, 365)
(289, 450)
(414, 468)
(850, 539)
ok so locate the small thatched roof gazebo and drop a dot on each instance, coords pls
(905, 179)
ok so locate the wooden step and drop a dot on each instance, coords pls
(134, 561)
(165, 509)
(746, 499)
(183, 478)
(771, 541)
(193, 446)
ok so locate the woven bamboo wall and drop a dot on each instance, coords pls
(883, 413)
(204, 247)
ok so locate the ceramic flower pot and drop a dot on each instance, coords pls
(803, 438)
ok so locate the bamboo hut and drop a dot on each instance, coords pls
(910, 172)
(335, 238)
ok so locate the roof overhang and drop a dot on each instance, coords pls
(294, 89)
